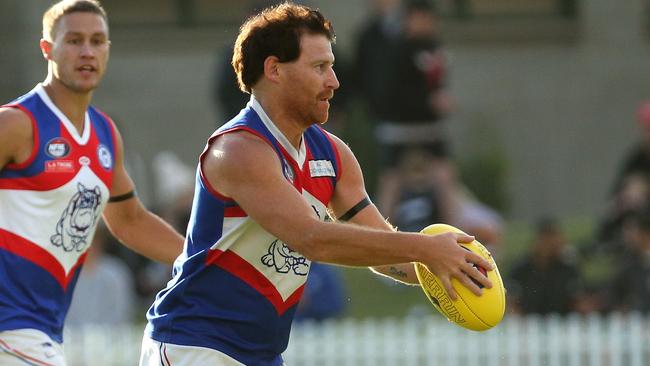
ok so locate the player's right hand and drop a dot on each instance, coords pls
(448, 260)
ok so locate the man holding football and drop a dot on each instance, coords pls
(266, 182)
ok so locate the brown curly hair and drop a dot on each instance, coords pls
(275, 31)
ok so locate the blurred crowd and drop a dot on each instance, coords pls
(398, 74)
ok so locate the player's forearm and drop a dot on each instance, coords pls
(147, 234)
(402, 272)
(155, 239)
(353, 245)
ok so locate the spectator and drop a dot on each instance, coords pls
(637, 160)
(376, 39)
(632, 195)
(630, 191)
(419, 203)
(415, 100)
(432, 192)
(546, 280)
(630, 289)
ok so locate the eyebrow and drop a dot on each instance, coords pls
(76, 33)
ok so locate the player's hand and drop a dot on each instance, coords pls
(449, 260)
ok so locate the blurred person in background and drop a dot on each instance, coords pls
(418, 181)
(629, 289)
(633, 195)
(375, 41)
(265, 184)
(631, 188)
(546, 280)
(61, 167)
(429, 195)
(419, 203)
(637, 159)
(415, 100)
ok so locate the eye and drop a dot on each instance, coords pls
(74, 41)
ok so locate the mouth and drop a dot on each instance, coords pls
(87, 69)
(325, 98)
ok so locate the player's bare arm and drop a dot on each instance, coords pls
(245, 168)
(134, 225)
(16, 136)
(350, 190)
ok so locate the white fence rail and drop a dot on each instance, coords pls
(615, 340)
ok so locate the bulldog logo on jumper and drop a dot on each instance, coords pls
(78, 219)
(285, 259)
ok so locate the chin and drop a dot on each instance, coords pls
(85, 87)
(321, 120)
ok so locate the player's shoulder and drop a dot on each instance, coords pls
(240, 140)
(14, 123)
(342, 147)
(16, 135)
(337, 141)
(240, 147)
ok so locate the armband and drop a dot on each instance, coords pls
(122, 197)
(355, 209)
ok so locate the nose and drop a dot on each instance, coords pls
(86, 50)
(332, 80)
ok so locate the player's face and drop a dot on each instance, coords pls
(78, 54)
(310, 81)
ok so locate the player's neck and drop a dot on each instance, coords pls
(72, 104)
(282, 118)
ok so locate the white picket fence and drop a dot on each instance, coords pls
(614, 340)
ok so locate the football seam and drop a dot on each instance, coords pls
(474, 313)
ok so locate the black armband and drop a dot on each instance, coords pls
(122, 197)
(355, 209)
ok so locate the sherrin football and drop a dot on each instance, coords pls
(468, 311)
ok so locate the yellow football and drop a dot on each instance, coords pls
(468, 311)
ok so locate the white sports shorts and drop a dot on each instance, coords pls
(155, 353)
(25, 347)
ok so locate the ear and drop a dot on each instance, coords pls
(46, 48)
(272, 68)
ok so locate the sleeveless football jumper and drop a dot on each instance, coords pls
(49, 208)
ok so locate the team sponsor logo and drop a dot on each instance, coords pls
(59, 166)
(105, 157)
(57, 148)
(84, 160)
(321, 168)
(78, 220)
(285, 259)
